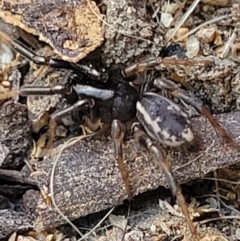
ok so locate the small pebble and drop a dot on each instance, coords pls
(61, 131)
(213, 202)
(6, 84)
(206, 8)
(166, 19)
(207, 34)
(181, 32)
(237, 234)
(193, 47)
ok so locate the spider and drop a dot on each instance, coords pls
(108, 95)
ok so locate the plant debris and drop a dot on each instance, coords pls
(68, 26)
(86, 179)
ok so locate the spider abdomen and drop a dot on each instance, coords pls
(163, 120)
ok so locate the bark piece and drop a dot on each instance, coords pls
(15, 134)
(87, 178)
(11, 221)
(69, 26)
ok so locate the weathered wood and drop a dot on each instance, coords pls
(11, 221)
(15, 135)
(68, 26)
(87, 178)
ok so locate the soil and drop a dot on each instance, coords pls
(87, 179)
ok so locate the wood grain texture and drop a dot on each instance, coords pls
(87, 178)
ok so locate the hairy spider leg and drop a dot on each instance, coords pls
(117, 132)
(52, 62)
(28, 90)
(175, 91)
(57, 115)
(57, 89)
(153, 62)
(141, 137)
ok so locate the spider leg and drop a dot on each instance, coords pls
(117, 132)
(28, 90)
(145, 141)
(64, 90)
(153, 62)
(79, 105)
(175, 91)
(52, 62)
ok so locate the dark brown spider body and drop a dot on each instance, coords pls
(114, 98)
(122, 106)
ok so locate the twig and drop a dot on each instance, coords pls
(223, 203)
(217, 189)
(125, 229)
(99, 223)
(204, 24)
(228, 44)
(66, 144)
(219, 218)
(221, 180)
(184, 18)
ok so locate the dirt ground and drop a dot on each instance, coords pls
(120, 33)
